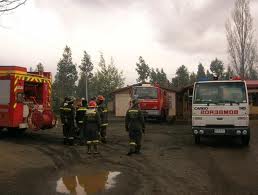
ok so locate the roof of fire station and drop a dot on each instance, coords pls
(139, 84)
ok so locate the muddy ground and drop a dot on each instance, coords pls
(38, 163)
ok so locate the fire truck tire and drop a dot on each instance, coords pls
(197, 139)
(16, 131)
(245, 140)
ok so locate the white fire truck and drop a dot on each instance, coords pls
(220, 108)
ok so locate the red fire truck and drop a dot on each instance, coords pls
(153, 100)
(25, 99)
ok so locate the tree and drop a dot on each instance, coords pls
(143, 70)
(241, 39)
(107, 79)
(192, 78)
(228, 74)
(159, 76)
(182, 77)
(209, 75)
(39, 67)
(200, 72)
(86, 75)
(65, 78)
(9, 5)
(253, 75)
(217, 67)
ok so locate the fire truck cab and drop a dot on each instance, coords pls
(153, 100)
(25, 99)
(220, 108)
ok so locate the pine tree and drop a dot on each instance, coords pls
(209, 75)
(201, 72)
(65, 78)
(228, 74)
(192, 78)
(159, 76)
(86, 68)
(107, 79)
(182, 77)
(217, 67)
(143, 70)
(39, 67)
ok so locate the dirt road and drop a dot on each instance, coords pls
(38, 163)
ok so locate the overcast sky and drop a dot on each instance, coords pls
(167, 33)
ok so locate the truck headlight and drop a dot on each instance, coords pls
(244, 132)
(201, 132)
(195, 132)
(238, 132)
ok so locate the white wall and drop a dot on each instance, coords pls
(121, 104)
(172, 104)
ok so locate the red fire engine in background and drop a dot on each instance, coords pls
(153, 100)
(25, 99)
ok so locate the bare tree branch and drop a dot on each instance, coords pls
(241, 42)
(9, 5)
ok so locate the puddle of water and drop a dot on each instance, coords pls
(87, 184)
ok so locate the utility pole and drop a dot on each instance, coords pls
(86, 85)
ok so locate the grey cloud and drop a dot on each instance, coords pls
(190, 30)
(176, 24)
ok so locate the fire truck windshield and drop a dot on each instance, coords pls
(220, 92)
(146, 92)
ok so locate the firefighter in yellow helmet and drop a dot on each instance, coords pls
(102, 108)
(134, 124)
(92, 125)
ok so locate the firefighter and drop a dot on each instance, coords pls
(92, 126)
(80, 112)
(134, 124)
(104, 117)
(67, 113)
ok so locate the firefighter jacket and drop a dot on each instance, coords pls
(92, 119)
(103, 111)
(67, 114)
(80, 113)
(134, 120)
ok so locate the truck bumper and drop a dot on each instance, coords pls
(151, 113)
(221, 131)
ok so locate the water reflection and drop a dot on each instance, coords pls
(87, 184)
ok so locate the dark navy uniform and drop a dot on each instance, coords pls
(103, 111)
(92, 126)
(80, 113)
(67, 114)
(134, 124)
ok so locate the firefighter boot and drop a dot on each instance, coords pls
(132, 150)
(138, 148)
(65, 141)
(71, 141)
(96, 148)
(89, 148)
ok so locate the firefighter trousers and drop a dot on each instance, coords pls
(103, 132)
(68, 131)
(92, 134)
(135, 137)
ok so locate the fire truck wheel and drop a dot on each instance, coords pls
(245, 140)
(197, 139)
(16, 131)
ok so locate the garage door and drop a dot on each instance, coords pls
(122, 104)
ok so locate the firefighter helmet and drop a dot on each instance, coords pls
(101, 98)
(92, 104)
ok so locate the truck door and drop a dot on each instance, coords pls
(4, 102)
